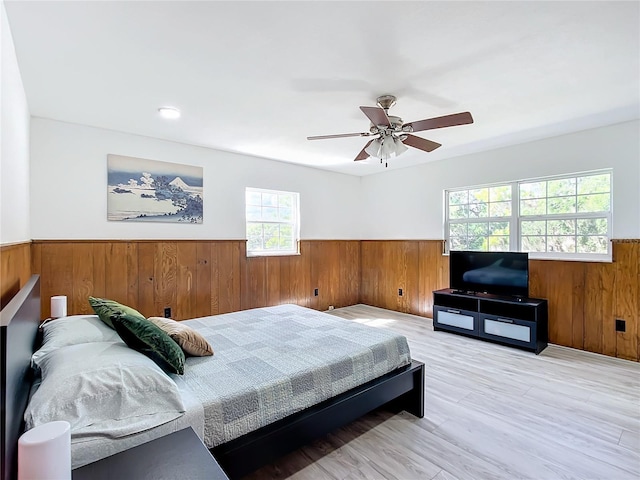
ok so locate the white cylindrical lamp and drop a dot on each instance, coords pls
(58, 306)
(44, 452)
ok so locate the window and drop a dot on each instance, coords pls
(480, 218)
(273, 222)
(555, 217)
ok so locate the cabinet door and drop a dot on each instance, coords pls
(460, 321)
(508, 330)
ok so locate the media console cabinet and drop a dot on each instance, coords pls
(515, 321)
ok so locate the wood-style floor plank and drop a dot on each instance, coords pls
(491, 412)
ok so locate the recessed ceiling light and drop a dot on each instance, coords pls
(169, 112)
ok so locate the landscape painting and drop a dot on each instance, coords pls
(140, 190)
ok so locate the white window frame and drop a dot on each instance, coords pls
(515, 237)
(294, 223)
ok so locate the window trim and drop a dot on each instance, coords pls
(295, 224)
(515, 237)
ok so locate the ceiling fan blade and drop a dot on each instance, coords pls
(363, 155)
(377, 116)
(421, 143)
(463, 118)
(339, 135)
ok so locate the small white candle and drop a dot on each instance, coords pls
(44, 452)
(59, 306)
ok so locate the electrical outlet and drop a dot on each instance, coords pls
(399, 292)
(330, 307)
(315, 292)
(167, 312)
(621, 325)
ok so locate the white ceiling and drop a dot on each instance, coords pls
(259, 77)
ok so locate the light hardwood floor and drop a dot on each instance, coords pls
(491, 412)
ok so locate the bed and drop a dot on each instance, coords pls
(246, 445)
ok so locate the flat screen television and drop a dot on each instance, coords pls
(498, 273)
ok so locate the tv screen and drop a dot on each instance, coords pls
(499, 273)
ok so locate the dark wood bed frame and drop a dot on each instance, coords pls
(19, 322)
(402, 389)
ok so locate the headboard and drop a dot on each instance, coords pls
(19, 321)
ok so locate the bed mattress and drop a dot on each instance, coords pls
(272, 362)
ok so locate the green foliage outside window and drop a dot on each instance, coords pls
(556, 215)
(271, 221)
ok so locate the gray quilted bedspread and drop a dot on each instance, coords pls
(274, 361)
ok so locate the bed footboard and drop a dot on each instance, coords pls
(403, 389)
(412, 401)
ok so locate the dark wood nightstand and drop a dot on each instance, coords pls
(180, 455)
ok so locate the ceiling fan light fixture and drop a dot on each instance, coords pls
(374, 148)
(400, 147)
(388, 148)
(170, 113)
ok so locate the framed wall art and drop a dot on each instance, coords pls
(141, 190)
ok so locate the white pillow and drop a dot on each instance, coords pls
(103, 388)
(73, 330)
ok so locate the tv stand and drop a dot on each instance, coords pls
(462, 292)
(515, 321)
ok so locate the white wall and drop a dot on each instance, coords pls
(408, 203)
(68, 185)
(69, 188)
(14, 153)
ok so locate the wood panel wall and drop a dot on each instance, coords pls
(195, 278)
(585, 298)
(15, 269)
(415, 266)
(198, 278)
(331, 266)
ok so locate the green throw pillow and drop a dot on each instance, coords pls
(142, 335)
(107, 309)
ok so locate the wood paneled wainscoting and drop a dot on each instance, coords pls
(585, 298)
(198, 278)
(418, 267)
(195, 278)
(331, 266)
(15, 269)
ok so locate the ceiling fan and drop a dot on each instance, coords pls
(392, 135)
